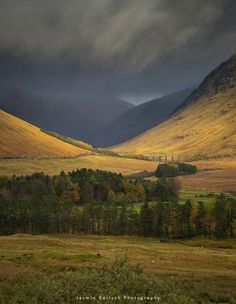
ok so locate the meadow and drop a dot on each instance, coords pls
(198, 267)
(53, 166)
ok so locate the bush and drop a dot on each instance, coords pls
(121, 279)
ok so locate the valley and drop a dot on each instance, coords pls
(65, 209)
(117, 152)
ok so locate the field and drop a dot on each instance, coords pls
(202, 267)
(52, 166)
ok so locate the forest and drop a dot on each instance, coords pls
(105, 203)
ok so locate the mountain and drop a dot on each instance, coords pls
(139, 119)
(21, 139)
(204, 125)
(73, 117)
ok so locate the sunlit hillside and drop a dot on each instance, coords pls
(21, 139)
(205, 126)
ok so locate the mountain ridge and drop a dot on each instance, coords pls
(213, 83)
(205, 127)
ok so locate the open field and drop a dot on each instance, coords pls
(52, 166)
(215, 175)
(218, 175)
(215, 181)
(200, 266)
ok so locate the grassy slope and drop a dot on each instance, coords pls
(206, 127)
(21, 139)
(194, 264)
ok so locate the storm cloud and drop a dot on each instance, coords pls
(130, 48)
(115, 34)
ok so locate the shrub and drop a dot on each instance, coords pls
(121, 279)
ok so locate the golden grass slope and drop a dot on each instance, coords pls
(21, 139)
(206, 127)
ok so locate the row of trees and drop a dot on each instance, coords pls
(98, 202)
(156, 219)
(39, 203)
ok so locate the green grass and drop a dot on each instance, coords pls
(69, 140)
(120, 281)
(197, 267)
(195, 197)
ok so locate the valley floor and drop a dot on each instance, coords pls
(216, 175)
(52, 166)
(202, 267)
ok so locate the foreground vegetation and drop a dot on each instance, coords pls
(120, 282)
(56, 268)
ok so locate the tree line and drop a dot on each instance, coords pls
(175, 169)
(98, 202)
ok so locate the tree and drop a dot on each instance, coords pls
(146, 220)
(185, 212)
(200, 227)
(220, 214)
(162, 190)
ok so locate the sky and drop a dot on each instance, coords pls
(132, 49)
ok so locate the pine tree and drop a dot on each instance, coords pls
(200, 227)
(146, 220)
(220, 214)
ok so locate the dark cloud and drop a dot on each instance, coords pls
(131, 34)
(116, 46)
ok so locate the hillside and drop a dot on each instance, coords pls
(204, 126)
(21, 139)
(139, 119)
(71, 116)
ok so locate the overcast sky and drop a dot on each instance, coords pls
(134, 49)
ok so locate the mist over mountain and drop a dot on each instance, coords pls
(139, 119)
(80, 119)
